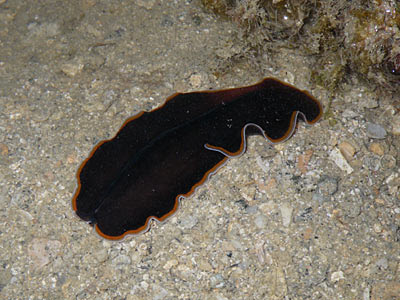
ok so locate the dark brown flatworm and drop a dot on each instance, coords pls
(161, 156)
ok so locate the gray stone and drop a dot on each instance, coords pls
(375, 131)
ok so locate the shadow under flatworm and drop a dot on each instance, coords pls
(157, 157)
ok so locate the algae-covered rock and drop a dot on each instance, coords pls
(344, 37)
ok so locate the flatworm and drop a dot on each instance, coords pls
(161, 156)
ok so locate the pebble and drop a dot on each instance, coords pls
(144, 285)
(148, 4)
(388, 162)
(303, 161)
(377, 228)
(382, 263)
(326, 187)
(204, 265)
(41, 251)
(195, 81)
(396, 125)
(217, 281)
(372, 162)
(376, 148)
(251, 209)
(352, 209)
(317, 197)
(189, 222)
(219, 297)
(3, 149)
(184, 272)
(71, 69)
(101, 255)
(340, 161)
(169, 264)
(336, 276)
(260, 221)
(305, 215)
(159, 292)
(121, 261)
(349, 114)
(347, 150)
(286, 211)
(93, 107)
(307, 234)
(369, 102)
(366, 294)
(44, 29)
(375, 131)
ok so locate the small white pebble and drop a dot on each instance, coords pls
(377, 228)
(336, 276)
(286, 212)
